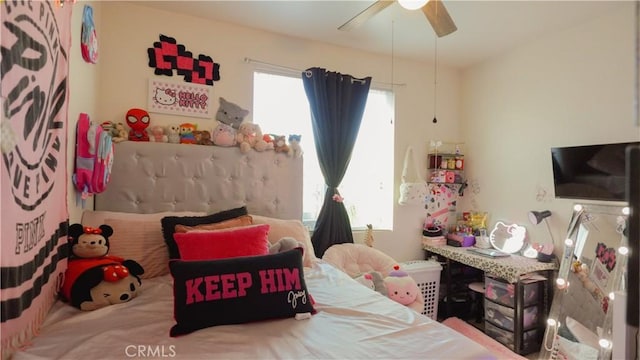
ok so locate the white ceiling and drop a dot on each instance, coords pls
(485, 28)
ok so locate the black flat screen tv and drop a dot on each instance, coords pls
(590, 172)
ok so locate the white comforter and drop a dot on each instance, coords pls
(352, 322)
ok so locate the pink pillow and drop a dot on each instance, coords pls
(224, 243)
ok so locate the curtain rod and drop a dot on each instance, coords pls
(282, 67)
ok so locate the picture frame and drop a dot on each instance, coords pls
(179, 98)
(600, 275)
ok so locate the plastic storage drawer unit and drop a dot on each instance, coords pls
(505, 316)
(530, 341)
(502, 292)
(427, 275)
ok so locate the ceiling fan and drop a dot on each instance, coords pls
(434, 10)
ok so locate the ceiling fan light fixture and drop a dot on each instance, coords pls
(412, 4)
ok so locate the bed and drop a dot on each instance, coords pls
(155, 181)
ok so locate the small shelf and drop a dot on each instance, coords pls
(445, 164)
(437, 176)
(438, 161)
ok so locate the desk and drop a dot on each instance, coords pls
(511, 269)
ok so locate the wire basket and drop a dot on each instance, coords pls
(427, 275)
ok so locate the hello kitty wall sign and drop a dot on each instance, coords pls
(185, 99)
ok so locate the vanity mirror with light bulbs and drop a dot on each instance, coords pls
(592, 268)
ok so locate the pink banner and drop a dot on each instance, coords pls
(34, 92)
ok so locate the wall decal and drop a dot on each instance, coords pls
(166, 55)
(179, 98)
(34, 90)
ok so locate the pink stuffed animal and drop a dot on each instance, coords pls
(401, 287)
(157, 134)
(249, 137)
(224, 135)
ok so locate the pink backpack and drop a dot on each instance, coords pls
(94, 157)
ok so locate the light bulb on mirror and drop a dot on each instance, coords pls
(568, 242)
(623, 250)
(626, 210)
(412, 4)
(577, 207)
(604, 343)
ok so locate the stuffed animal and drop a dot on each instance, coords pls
(94, 279)
(284, 244)
(119, 133)
(108, 126)
(249, 136)
(280, 144)
(224, 135)
(269, 140)
(294, 146)
(173, 133)
(230, 113)
(203, 137)
(87, 242)
(197, 135)
(374, 281)
(90, 284)
(138, 120)
(186, 133)
(401, 287)
(157, 134)
(260, 143)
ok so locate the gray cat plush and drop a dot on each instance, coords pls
(230, 113)
(374, 281)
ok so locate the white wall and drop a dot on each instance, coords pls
(569, 88)
(126, 31)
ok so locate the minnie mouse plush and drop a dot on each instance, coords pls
(94, 279)
(88, 242)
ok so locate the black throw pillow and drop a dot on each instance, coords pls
(238, 290)
(169, 225)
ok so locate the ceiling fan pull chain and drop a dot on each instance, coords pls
(392, 63)
(435, 81)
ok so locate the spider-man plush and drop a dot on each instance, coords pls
(138, 120)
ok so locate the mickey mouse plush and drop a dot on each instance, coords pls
(94, 279)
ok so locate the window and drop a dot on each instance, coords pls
(280, 106)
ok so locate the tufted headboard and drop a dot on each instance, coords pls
(150, 177)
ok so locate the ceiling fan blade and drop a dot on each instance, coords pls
(439, 18)
(365, 15)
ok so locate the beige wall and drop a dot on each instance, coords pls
(127, 30)
(572, 87)
(569, 88)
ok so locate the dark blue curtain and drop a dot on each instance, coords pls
(337, 103)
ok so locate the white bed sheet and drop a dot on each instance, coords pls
(352, 322)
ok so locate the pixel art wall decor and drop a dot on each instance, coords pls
(166, 55)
